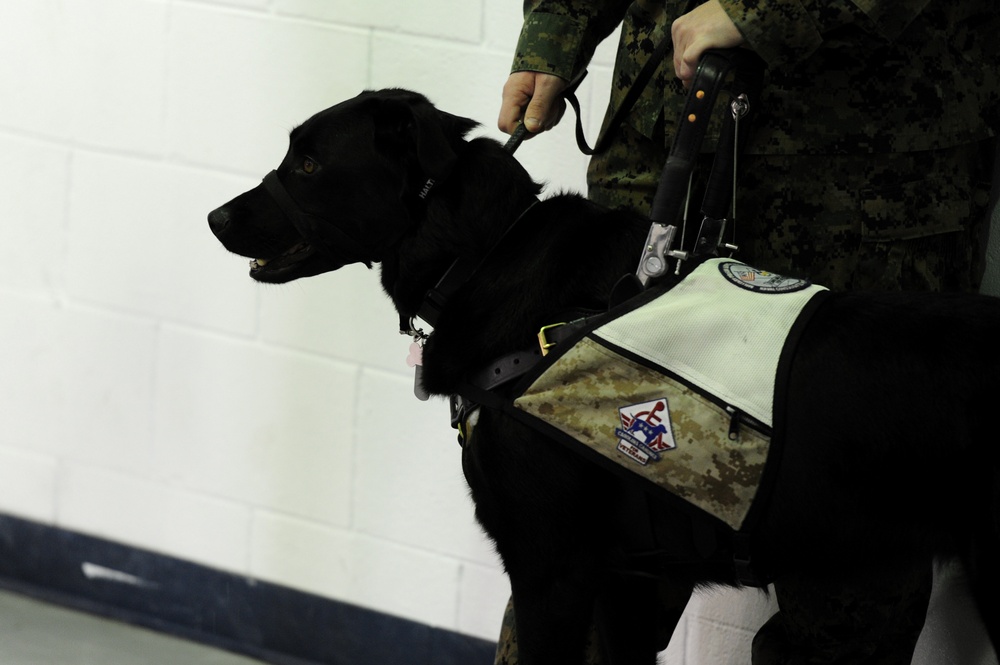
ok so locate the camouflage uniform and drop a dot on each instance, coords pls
(884, 117)
(869, 168)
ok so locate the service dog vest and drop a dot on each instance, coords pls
(681, 390)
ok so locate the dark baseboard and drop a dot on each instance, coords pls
(266, 621)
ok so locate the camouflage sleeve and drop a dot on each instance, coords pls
(787, 31)
(560, 36)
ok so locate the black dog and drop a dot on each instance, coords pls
(891, 456)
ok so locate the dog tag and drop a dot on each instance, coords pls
(416, 357)
(418, 384)
(416, 360)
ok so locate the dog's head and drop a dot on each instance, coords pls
(347, 188)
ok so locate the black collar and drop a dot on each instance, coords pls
(458, 274)
(462, 268)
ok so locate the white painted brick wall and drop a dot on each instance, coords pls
(150, 392)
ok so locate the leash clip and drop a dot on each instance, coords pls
(411, 330)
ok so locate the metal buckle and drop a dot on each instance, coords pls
(543, 343)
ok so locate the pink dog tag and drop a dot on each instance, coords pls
(415, 360)
(416, 357)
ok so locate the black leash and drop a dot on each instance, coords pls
(516, 137)
(569, 93)
(628, 103)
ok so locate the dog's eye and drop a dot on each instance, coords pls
(309, 166)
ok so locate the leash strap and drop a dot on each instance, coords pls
(569, 93)
(628, 103)
(514, 142)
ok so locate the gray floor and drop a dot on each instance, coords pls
(35, 633)
(954, 633)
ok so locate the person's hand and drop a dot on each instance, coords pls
(707, 26)
(533, 96)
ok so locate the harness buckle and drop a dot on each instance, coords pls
(543, 342)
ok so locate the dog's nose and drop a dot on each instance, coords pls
(218, 221)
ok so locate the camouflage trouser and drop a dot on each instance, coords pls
(507, 642)
(898, 221)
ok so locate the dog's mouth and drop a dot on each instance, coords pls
(284, 267)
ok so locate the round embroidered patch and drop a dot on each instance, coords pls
(760, 281)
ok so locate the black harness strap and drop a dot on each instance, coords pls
(345, 247)
(460, 271)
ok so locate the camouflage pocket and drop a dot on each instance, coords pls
(916, 209)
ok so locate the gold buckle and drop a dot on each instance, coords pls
(543, 343)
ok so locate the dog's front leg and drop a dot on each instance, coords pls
(627, 626)
(635, 617)
(553, 623)
(550, 514)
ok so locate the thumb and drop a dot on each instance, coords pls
(546, 106)
(537, 114)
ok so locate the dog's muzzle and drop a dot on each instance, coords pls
(321, 233)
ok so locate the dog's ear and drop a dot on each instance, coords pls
(430, 134)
